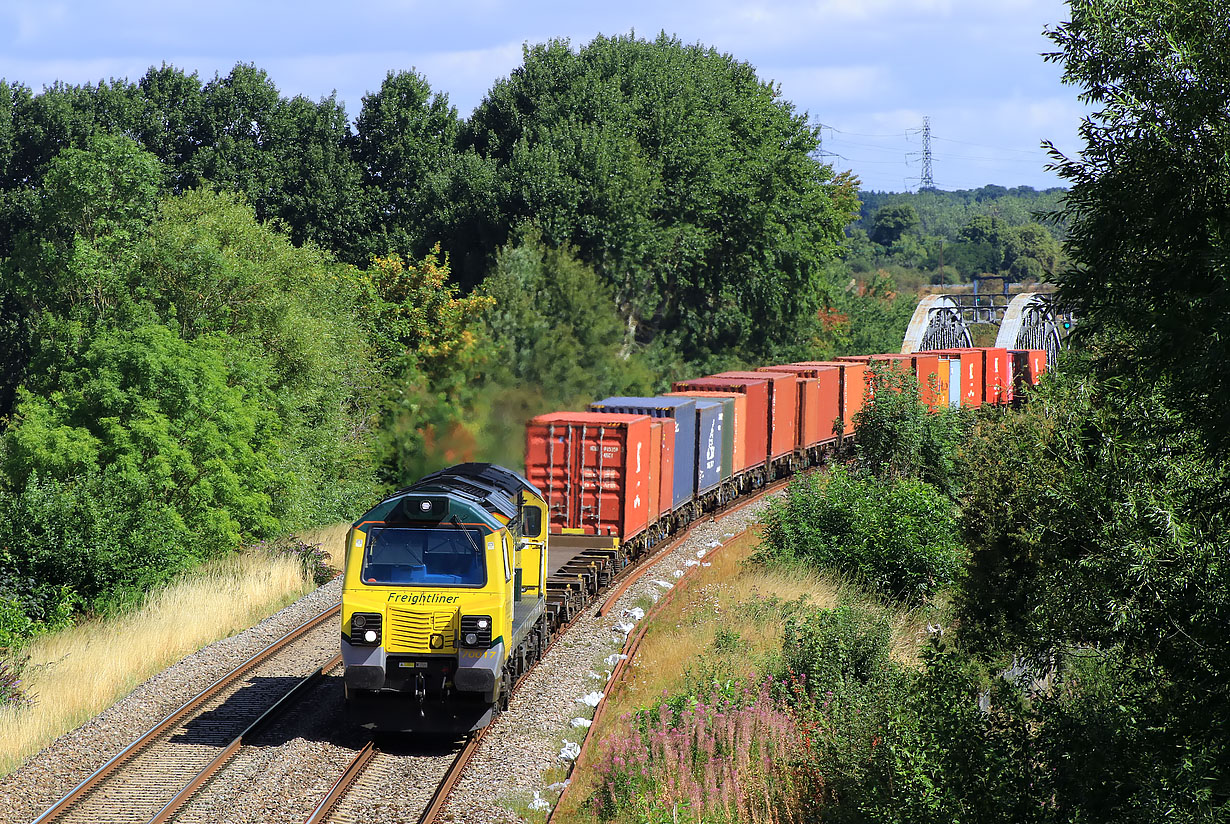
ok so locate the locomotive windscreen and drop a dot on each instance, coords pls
(440, 556)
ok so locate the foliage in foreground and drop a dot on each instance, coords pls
(1147, 205)
(896, 535)
(711, 758)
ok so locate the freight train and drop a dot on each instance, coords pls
(454, 585)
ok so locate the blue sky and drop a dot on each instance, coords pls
(869, 70)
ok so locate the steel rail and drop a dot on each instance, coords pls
(344, 782)
(232, 749)
(147, 738)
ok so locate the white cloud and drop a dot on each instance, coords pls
(825, 84)
(33, 20)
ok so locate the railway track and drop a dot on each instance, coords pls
(153, 776)
(367, 772)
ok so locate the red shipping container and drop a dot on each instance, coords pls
(739, 458)
(756, 432)
(854, 388)
(925, 369)
(1037, 365)
(783, 409)
(996, 373)
(828, 393)
(667, 479)
(593, 469)
(811, 428)
(972, 385)
(1027, 366)
(655, 469)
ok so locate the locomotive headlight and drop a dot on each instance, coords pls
(365, 628)
(476, 630)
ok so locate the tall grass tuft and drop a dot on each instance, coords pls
(75, 674)
(712, 758)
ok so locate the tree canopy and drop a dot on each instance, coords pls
(1149, 207)
(684, 180)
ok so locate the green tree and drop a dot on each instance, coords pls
(683, 179)
(428, 346)
(557, 327)
(891, 222)
(158, 447)
(419, 188)
(1096, 523)
(1147, 206)
(894, 535)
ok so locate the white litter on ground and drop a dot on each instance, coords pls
(701, 553)
(635, 613)
(590, 699)
(614, 658)
(678, 573)
(714, 544)
(580, 723)
(690, 562)
(539, 803)
(624, 627)
(664, 584)
(569, 751)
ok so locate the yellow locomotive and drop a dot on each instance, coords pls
(443, 600)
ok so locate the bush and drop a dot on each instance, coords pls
(896, 535)
(898, 437)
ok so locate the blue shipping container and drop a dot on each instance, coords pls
(683, 410)
(709, 420)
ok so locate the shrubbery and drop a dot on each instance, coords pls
(898, 536)
(897, 436)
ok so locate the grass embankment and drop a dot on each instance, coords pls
(725, 625)
(77, 673)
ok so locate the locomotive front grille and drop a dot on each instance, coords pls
(410, 631)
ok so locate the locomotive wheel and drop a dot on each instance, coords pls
(506, 685)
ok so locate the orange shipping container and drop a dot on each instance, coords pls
(755, 434)
(820, 403)
(972, 385)
(853, 388)
(655, 469)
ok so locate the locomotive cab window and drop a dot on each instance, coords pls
(531, 520)
(431, 556)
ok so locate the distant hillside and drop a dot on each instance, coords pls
(945, 214)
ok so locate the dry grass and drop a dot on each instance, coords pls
(77, 673)
(332, 539)
(711, 629)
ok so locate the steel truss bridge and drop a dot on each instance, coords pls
(1029, 320)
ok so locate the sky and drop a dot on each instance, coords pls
(872, 72)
